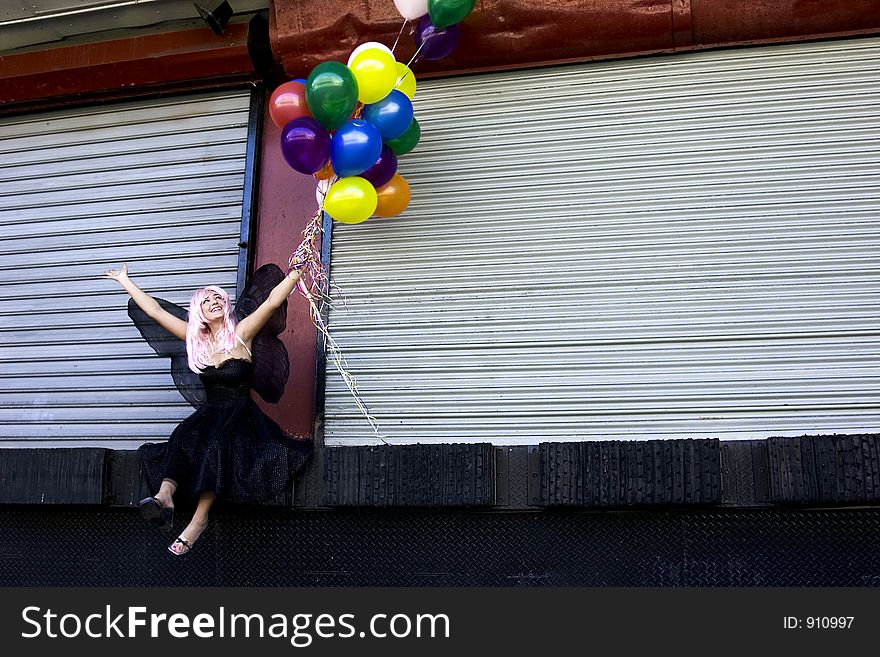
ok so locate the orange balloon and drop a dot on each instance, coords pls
(288, 102)
(393, 197)
(326, 173)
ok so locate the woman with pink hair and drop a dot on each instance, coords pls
(228, 447)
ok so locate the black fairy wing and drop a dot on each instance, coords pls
(271, 362)
(169, 346)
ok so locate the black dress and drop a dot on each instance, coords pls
(228, 446)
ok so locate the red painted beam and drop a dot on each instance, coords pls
(123, 66)
(501, 34)
(286, 203)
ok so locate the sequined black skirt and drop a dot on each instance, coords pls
(230, 448)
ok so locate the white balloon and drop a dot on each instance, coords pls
(367, 46)
(411, 9)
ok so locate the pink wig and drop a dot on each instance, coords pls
(198, 333)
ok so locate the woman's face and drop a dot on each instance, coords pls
(213, 306)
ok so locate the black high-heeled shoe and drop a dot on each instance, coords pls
(153, 511)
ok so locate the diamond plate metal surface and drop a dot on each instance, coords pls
(258, 546)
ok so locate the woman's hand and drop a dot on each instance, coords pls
(175, 326)
(117, 274)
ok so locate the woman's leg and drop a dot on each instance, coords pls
(166, 492)
(195, 527)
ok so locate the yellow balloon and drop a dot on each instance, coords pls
(376, 73)
(406, 81)
(351, 200)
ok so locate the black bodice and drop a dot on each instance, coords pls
(229, 382)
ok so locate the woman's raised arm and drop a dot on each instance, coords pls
(175, 326)
(251, 325)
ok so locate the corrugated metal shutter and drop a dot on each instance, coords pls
(157, 184)
(676, 246)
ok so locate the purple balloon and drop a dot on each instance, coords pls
(305, 145)
(384, 169)
(438, 43)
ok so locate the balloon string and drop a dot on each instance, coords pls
(403, 77)
(314, 285)
(338, 360)
(405, 21)
(416, 53)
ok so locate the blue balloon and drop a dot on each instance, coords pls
(303, 80)
(391, 115)
(356, 146)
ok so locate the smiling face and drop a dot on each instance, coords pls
(213, 306)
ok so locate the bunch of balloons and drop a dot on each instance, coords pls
(348, 124)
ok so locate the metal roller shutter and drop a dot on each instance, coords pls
(670, 247)
(157, 184)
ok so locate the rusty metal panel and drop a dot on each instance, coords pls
(501, 34)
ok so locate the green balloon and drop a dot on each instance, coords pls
(407, 141)
(444, 13)
(331, 93)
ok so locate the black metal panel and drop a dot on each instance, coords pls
(125, 485)
(249, 194)
(502, 476)
(308, 488)
(410, 475)
(512, 477)
(534, 476)
(630, 473)
(320, 353)
(260, 50)
(52, 476)
(745, 477)
(257, 546)
(825, 469)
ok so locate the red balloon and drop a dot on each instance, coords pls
(288, 102)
